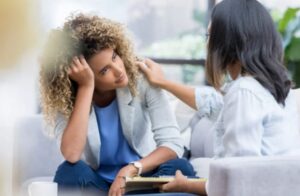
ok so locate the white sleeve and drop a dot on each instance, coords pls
(243, 124)
(209, 102)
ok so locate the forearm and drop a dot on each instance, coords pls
(156, 158)
(196, 187)
(75, 134)
(150, 162)
(182, 92)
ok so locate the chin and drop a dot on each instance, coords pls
(123, 84)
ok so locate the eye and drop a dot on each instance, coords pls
(207, 36)
(104, 70)
(114, 56)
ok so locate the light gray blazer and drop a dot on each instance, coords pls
(147, 122)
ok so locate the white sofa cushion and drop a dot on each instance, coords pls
(35, 154)
(201, 166)
(201, 143)
(259, 176)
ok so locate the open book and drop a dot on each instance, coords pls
(148, 183)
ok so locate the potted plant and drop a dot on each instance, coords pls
(289, 28)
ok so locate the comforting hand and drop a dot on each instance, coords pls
(117, 187)
(152, 71)
(81, 72)
(179, 184)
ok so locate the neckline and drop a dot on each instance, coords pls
(107, 106)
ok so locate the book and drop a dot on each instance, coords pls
(150, 183)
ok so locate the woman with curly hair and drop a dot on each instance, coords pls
(109, 121)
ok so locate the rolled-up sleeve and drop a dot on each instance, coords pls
(209, 102)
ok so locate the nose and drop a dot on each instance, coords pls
(117, 70)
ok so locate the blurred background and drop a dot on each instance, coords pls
(170, 31)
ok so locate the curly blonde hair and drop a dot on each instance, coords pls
(81, 34)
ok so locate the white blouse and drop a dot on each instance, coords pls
(249, 121)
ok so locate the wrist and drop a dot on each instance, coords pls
(133, 170)
(128, 170)
(186, 186)
(165, 84)
(162, 83)
(88, 86)
(137, 166)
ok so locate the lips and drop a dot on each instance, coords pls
(121, 78)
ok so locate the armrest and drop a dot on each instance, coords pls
(35, 154)
(259, 176)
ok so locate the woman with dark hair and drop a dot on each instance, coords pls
(254, 112)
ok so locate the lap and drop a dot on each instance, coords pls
(164, 194)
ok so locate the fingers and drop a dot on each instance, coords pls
(150, 63)
(179, 174)
(176, 185)
(117, 188)
(119, 192)
(143, 67)
(72, 69)
(147, 63)
(83, 61)
(76, 61)
(77, 64)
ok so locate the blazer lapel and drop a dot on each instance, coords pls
(94, 136)
(126, 111)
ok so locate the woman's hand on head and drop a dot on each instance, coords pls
(152, 71)
(81, 72)
(179, 184)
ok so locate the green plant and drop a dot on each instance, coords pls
(289, 28)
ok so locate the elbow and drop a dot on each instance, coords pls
(71, 156)
(72, 159)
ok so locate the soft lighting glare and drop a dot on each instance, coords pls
(18, 30)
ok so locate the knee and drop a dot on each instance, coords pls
(72, 167)
(71, 172)
(183, 165)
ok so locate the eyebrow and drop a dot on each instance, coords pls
(113, 54)
(100, 71)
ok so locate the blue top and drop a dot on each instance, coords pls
(115, 150)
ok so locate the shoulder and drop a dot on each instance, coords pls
(145, 89)
(142, 84)
(247, 86)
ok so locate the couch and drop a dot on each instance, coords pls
(259, 176)
(36, 157)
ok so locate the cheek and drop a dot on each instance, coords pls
(104, 83)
